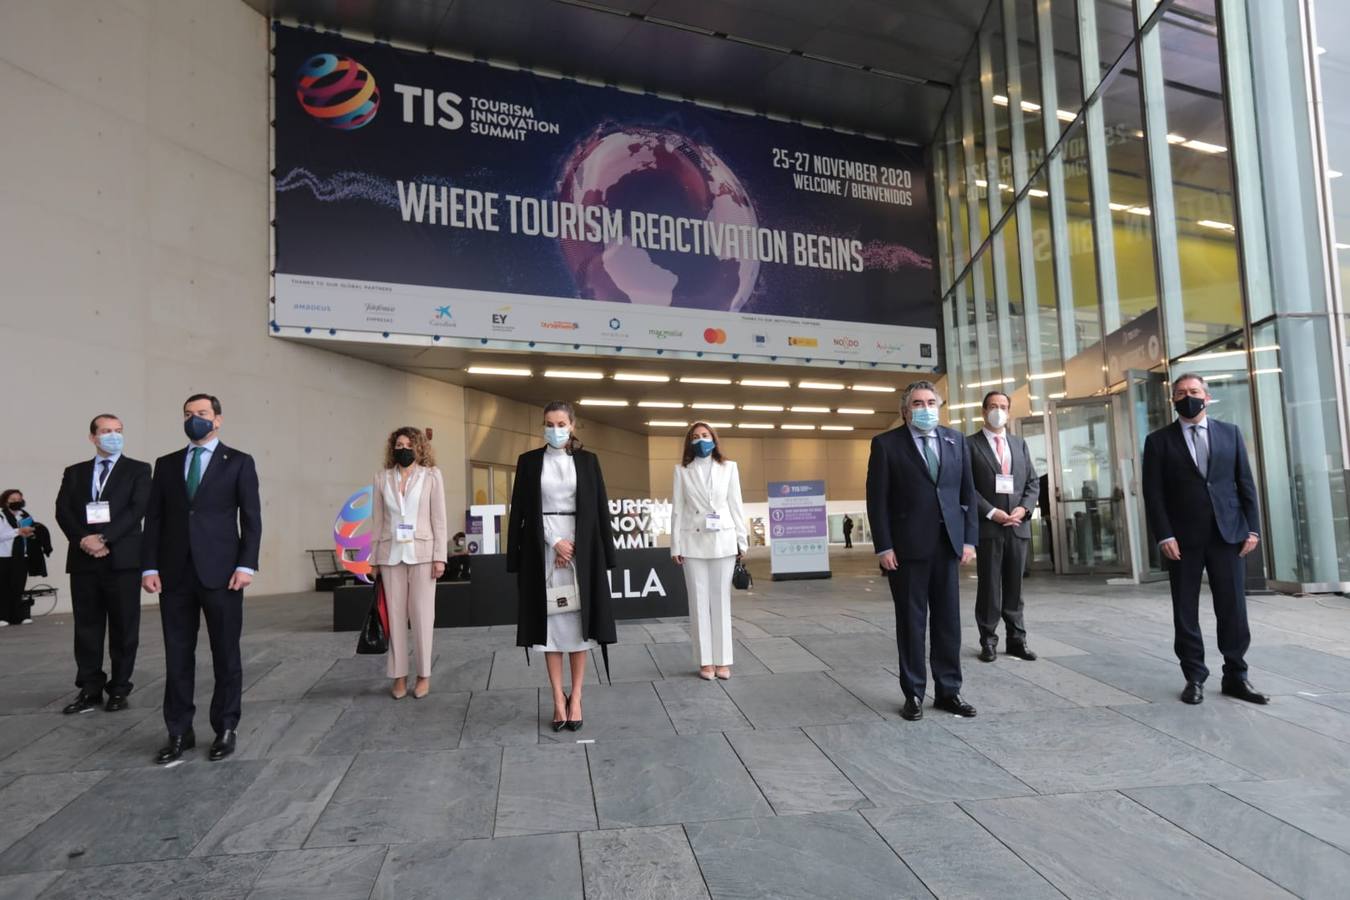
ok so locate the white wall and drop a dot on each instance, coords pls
(134, 268)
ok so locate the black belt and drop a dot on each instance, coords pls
(560, 513)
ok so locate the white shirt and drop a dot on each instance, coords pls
(1005, 455)
(402, 508)
(8, 534)
(98, 464)
(208, 450)
(1187, 428)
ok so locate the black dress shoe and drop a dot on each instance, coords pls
(988, 653)
(1243, 690)
(912, 711)
(173, 751)
(574, 724)
(956, 706)
(1193, 693)
(80, 704)
(1021, 651)
(116, 703)
(223, 746)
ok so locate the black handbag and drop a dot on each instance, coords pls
(741, 578)
(374, 637)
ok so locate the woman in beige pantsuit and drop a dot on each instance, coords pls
(410, 537)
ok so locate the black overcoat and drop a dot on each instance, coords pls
(594, 550)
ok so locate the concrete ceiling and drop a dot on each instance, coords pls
(879, 66)
(451, 364)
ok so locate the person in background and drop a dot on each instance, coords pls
(1200, 498)
(848, 532)
(409, 528)
(1006, 488)
(99, 508)
(558, 535)
(707, 536)
(921, 506)
(17, 533)
(459, 564)
(203, 533)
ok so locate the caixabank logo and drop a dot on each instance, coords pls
(337, 91)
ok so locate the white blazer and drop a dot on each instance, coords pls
(693, 500)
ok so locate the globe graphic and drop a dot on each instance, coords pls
(636, 169)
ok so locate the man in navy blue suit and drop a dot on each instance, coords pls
(921, 503)
(203, 530)
(1201, 503)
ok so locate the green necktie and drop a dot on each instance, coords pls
(931, 458)
(195, 472)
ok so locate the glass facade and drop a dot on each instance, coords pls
(1136, 188)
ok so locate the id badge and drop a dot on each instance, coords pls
(1003, 484)
(712, 522)
(97, 512)
(404, 533)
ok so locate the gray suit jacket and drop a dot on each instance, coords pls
(1026, 483)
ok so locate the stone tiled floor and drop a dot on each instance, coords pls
(1083, 776)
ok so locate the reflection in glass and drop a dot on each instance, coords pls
(1309, 541)
(1202, 183)
(1088, 498)
(1081, 243)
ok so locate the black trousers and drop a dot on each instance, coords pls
(927, 593)
(1227, 573)
(106, 602)
(181, 609)
(848, 539)
(13, 578)
(1000, 562)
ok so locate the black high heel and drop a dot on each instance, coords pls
(573, 725)
(560, 725)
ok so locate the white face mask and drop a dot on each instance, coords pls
(996, 417)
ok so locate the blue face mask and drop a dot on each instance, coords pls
(197, 428)
(110, 442)
(703, 447)
(557, 437)
(925, 418)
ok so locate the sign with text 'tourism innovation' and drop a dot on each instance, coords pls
(419, 194)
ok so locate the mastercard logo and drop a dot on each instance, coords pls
(337, 91)
(714, 336)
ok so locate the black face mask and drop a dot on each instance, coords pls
(1189, 407)
(15, 507)
(405, 456)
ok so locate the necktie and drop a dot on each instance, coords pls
(1004, 459)
(104, 467)
(1201, 443)
(930, 457)
(195, 472)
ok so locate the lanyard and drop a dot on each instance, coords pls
(413, 480)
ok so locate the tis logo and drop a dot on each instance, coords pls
(337, 91)
(714, 336)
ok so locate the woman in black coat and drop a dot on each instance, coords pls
(558, 535)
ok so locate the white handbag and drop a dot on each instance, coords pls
(564, 598)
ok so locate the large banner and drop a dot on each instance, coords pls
(419, 194)
(799, 537)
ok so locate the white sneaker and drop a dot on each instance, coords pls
(26, 622)
(3, 624)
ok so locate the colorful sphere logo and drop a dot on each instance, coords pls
(714, 336)
(337, 90)
(353, 550)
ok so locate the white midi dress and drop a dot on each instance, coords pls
(558, 493)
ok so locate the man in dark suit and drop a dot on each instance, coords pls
(922, 505)
(848, 532)
(99, 508)
(1202, 508)
(203, 530)
(1006, 489)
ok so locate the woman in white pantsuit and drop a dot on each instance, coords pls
(708, 535)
